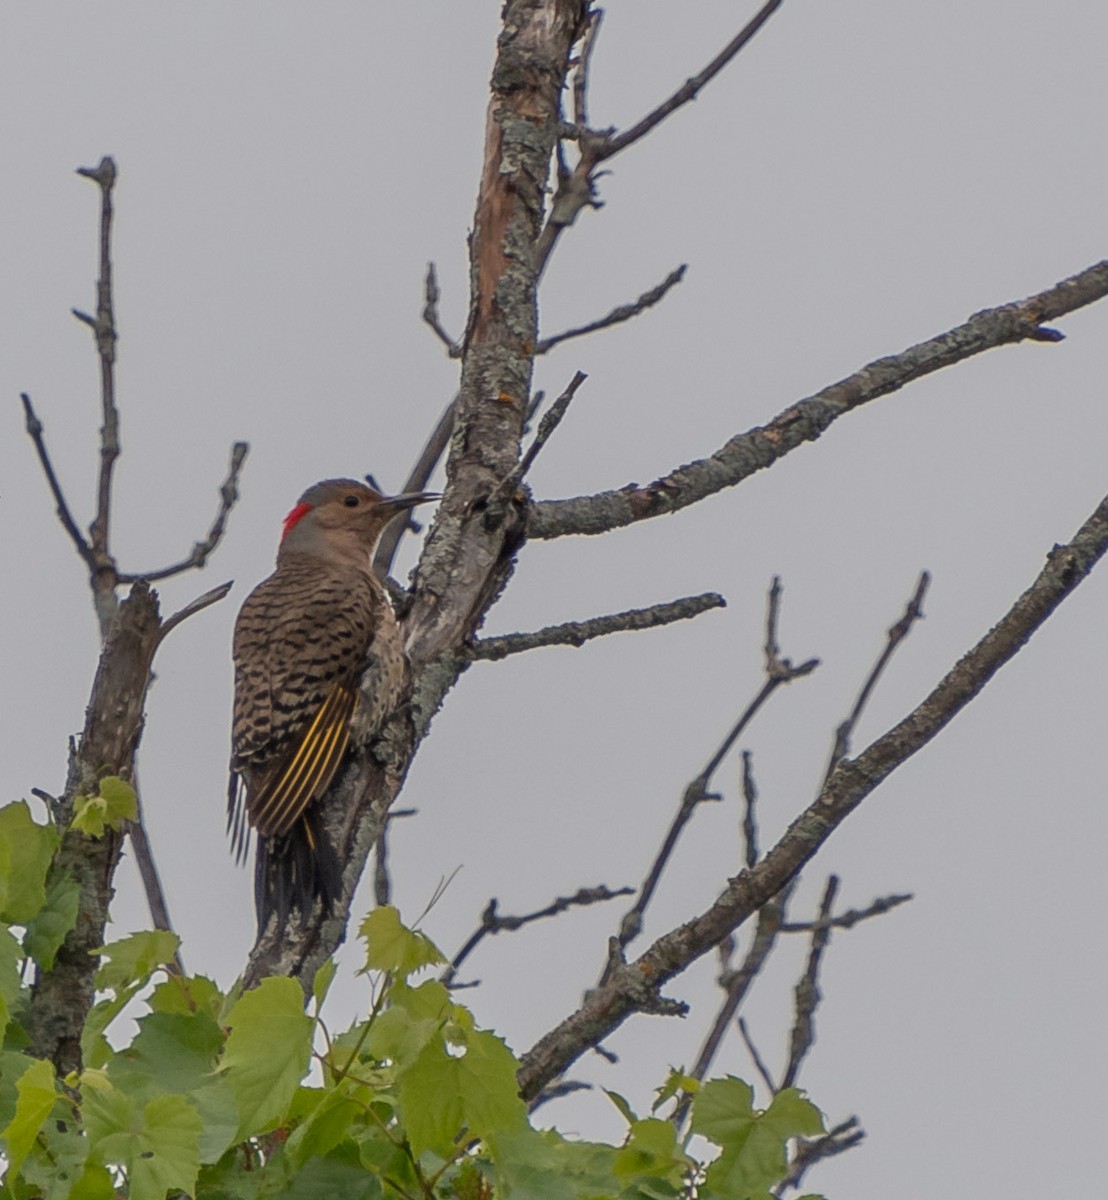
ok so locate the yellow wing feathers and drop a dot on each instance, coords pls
(278, 803)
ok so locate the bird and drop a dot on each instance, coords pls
(314, 644)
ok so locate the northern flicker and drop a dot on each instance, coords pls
(314, 642)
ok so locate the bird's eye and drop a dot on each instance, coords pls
(351, 501)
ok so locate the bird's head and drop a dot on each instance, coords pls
(341, 520)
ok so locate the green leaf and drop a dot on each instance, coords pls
(753, 1144)
(36, 1094)
(26, 850)
(158, 1148)
(340, 1174)
(56, 1161)
(47, 929)
(651, 1150)
(441, 1092)
(321, 984)
(392, 947)
(723, 1109)
(187, 994)
(11, 987)
(626, 1111)
(172, 1053)
(267, 1052)
(135, 958)
(114, 804)
(791, 1115)
(676, 1081)
(322, 1128)
(95, 1184)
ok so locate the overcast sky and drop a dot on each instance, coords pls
(865, 176)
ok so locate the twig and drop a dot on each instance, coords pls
(581, 73)
(896, 634)
(756, 1058)
(807, 419)
(807, 988)
(148, 872)
(607, 1007)
(417, 479)
(551, 419)
(778, 671)
(431, 295)
(844, 1136)
(619, 314)
(577, 633)
(750, 826)
(555, 1091)
(736, 985)
(850, 918)
(691, 87)
(35, 430)
(382, 887)
(577, 187)
(103, 328)
(194, 606)
(201, 551)
(493, 923)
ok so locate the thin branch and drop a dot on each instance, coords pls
(756, 1058)
(194, 606)
(493, 923)
(382, 886)
(555, 1091)
(431, 296)
(581, 72)
(35, 430)
(201, 551)
(691, 87)
(619, 314)
(607, 1007)
(896, 634)
(851, 917)
(103, 327)
(807, 993)
(417, 481)
(577, 633)
(750, 825)
(736, 986)
(551, 419)
(844, 1136)
(778, 671)
(807, 419)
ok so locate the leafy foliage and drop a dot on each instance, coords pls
(243, 1097)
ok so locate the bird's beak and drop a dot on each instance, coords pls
(408, 500)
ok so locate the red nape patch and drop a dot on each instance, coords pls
(293, 517)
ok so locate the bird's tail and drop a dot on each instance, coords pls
(294, 870)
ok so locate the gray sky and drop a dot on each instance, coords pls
(865, 176)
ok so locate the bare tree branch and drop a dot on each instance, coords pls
(844, 1136)
(805, 420)
(581, 70)
(577, 633)
(851, 917)
(896, 634)
(201, 551)
(807, 989)
(750, 824)
(194, 606)
(551, 419)
(417, 481)
(619, 314)
(691, 87)
(35, 430)
(577, 187)
(756, 1058)
(851, 782)
(431, 296)
(103, 328)
(778, 671)
(493, 923)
